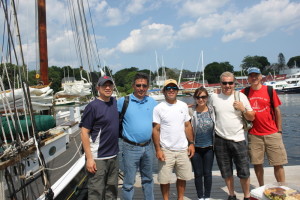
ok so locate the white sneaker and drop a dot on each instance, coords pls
(206, 198)
(201, 199)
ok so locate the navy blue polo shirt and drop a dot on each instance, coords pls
(102, 119)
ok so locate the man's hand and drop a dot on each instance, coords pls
(238, 105)
(91, 166)
(191, 150)
(160, 155)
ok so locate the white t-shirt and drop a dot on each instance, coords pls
(229, 124)
(172, 118)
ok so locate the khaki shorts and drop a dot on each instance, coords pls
(178, 160)
(271, 144)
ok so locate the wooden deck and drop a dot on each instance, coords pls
(219, 190)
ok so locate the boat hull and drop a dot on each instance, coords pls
(291, 90)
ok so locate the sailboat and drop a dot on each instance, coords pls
(36, 164)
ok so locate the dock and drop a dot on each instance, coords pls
(219, 189)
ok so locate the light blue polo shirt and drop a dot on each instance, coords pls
(137, 123)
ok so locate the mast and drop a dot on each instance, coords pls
(202, 69)
(42, 31)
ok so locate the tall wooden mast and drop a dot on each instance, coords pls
(42, 31)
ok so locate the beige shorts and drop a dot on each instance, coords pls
(271, 144)
(178, 160)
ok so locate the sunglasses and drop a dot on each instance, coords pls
(201, 97)
(229, 83)
(141, 85)
(171, 88)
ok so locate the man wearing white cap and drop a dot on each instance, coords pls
(266, 133)
(173, 140)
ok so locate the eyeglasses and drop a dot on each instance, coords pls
(108, 85)
(229, 83)
(171, 88)
(140, 85)
(201, 97)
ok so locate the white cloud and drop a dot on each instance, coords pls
(115, 17)
(250, 24)
(106, 52)
(146, 21)
(196, 8)
(136, 6)
(148, 37)
(100, 7)
(203, 27)
(261, 19)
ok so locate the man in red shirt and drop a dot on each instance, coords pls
(266, 133)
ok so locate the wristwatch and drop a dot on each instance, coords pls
(190, 143)
(245, 111)
(280, 132)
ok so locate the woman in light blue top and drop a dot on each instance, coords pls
(203, 126)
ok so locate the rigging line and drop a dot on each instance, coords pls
(67, 55)
(75, 190)
(77, 152)
(10, 37)
(90, 44)
(3, 97)
(97, 50)
(109, 72)
(3, 133)
(3, 37)
(25, 113)
(84, 34)
(16, 113)
(40, 156)
(75, 30)
(10, 185)
(18, 33)
(14, 116)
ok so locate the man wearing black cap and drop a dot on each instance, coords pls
(99, 134)
(266, 133)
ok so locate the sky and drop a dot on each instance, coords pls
(151, 33)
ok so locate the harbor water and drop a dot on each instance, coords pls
(290, 111)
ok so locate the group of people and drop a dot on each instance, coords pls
(185, 138)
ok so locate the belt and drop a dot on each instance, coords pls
(137, 144)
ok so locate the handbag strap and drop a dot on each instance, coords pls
(236, 95)
(237, 98)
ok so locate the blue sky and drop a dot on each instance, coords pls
(128, 32)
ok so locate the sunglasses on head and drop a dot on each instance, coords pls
(229, 83)
(168, 88)
(140, 85)
(201, 97)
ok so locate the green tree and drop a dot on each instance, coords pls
(124, 78)
(294, 61)
(255, 61)
(213, 71)
(281, 62)
(55, 75)
(12, 75)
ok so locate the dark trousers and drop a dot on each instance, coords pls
(202, 163)
(103, 185)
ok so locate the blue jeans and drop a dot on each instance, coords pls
(134, 157)
(202, 162)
